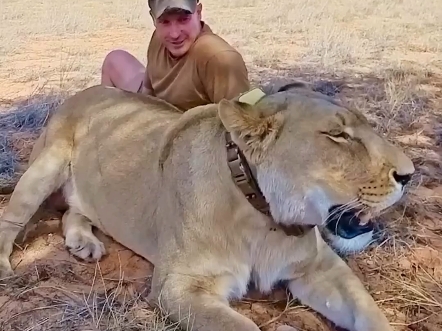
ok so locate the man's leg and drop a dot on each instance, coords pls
(122, 70)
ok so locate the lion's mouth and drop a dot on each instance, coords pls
(348, 223)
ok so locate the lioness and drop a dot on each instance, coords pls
(158, 182)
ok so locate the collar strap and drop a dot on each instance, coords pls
(243, 177)
(242, 174)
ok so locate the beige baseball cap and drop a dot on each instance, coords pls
(158, 7)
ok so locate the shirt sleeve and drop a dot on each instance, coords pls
(225, 76)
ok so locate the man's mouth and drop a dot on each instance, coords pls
(177, 43)
(348, 223)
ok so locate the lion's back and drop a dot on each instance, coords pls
(118, 140)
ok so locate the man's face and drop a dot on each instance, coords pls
(178, 30)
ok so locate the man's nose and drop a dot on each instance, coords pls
(174, 31)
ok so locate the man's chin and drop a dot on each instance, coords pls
(178, 51)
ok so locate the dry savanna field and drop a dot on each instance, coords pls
(385, 57)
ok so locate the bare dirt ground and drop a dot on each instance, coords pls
(384, 57)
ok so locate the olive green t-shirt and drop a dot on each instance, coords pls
(210, 71)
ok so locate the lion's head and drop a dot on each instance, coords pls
(316, 161)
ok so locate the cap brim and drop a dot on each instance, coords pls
(171, 6)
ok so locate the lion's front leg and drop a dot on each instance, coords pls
(331, 288)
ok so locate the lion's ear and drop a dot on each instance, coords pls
(295, 85)
(254, 131)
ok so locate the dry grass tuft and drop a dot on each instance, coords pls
(39, 302)
(20, 125)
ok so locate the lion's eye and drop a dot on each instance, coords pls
(340, 137)
(343, 135)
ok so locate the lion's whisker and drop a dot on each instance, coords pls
(342, 209)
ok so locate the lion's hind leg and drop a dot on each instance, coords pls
(77, 230)
(46, 174)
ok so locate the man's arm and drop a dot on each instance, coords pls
(225, 76)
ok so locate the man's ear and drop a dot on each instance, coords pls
(199, 9)
(252, 131)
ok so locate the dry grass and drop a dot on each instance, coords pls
(384, 57)
(56, 307)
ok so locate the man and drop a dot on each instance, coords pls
(187, 64)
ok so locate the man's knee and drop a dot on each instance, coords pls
(123, 70)
(111, 61)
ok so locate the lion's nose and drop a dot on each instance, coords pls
(401, 179)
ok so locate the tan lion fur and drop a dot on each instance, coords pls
(158, 182)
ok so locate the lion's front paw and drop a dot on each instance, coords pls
(5, 268)
(85, 245)
(373, 320)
